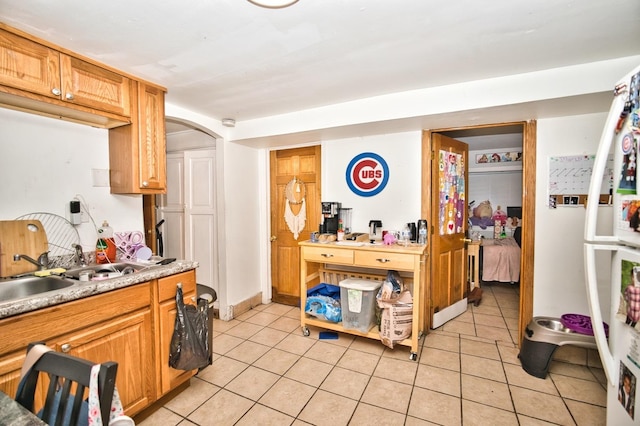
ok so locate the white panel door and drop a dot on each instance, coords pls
(200, 214)
(171, 208)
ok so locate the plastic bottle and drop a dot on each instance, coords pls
(422, 233)
(340, 233)
(106, 245)
(406, 235)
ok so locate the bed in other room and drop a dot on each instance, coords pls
(500, 249)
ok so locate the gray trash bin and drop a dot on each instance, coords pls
(209, 295)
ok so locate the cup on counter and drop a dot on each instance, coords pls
(314, 237)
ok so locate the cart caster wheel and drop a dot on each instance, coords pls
(305, 332)
(413, 356)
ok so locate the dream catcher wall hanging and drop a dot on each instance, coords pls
(294, 194)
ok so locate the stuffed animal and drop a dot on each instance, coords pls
(483, 210)
(513, 222)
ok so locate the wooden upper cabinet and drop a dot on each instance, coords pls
(89, 85)
(153, 143)
(37, 77)
(28, 66)
(137, 152)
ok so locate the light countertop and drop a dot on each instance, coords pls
(82, 289)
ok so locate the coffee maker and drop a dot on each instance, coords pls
(330, 217)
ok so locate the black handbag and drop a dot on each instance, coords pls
(190, 341)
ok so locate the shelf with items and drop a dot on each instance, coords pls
(330, 263)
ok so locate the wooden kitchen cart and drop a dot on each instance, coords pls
(330, 263)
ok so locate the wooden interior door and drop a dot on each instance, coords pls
(449, 177)
(302, 164)
(200, 214)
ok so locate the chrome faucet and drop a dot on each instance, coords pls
(42, 262)
(80, 259)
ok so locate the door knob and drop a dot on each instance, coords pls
(69, 96)
(56, 91)
(65, 348)
(273, 238)
(467, 240)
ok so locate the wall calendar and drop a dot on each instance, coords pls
(570, 177)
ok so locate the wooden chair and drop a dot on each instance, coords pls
(67, 373)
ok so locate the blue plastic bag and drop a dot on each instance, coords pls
(324, 307)
(324, 289)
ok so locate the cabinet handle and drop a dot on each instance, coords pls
(145, 183)
(69, 96)
(65, 348)
(56, 91)
(383, 260)
(326, 255)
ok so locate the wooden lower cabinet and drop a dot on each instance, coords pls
(126, 341)
(131, 326)
(169, 377)
(10, 366)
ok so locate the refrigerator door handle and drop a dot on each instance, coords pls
(606, 356)
(593, 199)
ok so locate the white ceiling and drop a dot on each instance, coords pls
(230, 58)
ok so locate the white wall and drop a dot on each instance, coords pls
(242, 229)
(399, 202)
(243, 233)
(502, 189)
(44, 163)
(559, 284)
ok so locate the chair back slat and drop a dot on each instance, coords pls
(69, 379)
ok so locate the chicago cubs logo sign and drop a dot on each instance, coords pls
(367, 174)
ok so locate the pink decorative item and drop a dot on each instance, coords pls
(499, 215)
(388, 239)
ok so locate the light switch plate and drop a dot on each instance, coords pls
(100, 177)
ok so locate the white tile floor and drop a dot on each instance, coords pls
(265, 372)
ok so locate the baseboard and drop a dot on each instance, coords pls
(246, 305)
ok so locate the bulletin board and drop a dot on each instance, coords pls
(570, 177)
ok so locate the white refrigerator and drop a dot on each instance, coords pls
(620, 351)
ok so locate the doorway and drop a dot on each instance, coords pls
(295, 192)
(527, 133)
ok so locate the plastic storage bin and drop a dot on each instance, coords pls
(358, 302)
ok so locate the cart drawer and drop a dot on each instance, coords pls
(372, 259)
(328, 255)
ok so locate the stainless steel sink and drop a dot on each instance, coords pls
(19, 288)
(107, 270)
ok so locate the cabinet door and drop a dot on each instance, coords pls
(94, 87)
(169, 377)
(126, 341)
(152, 142)
(29, 66)
(10, 367)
